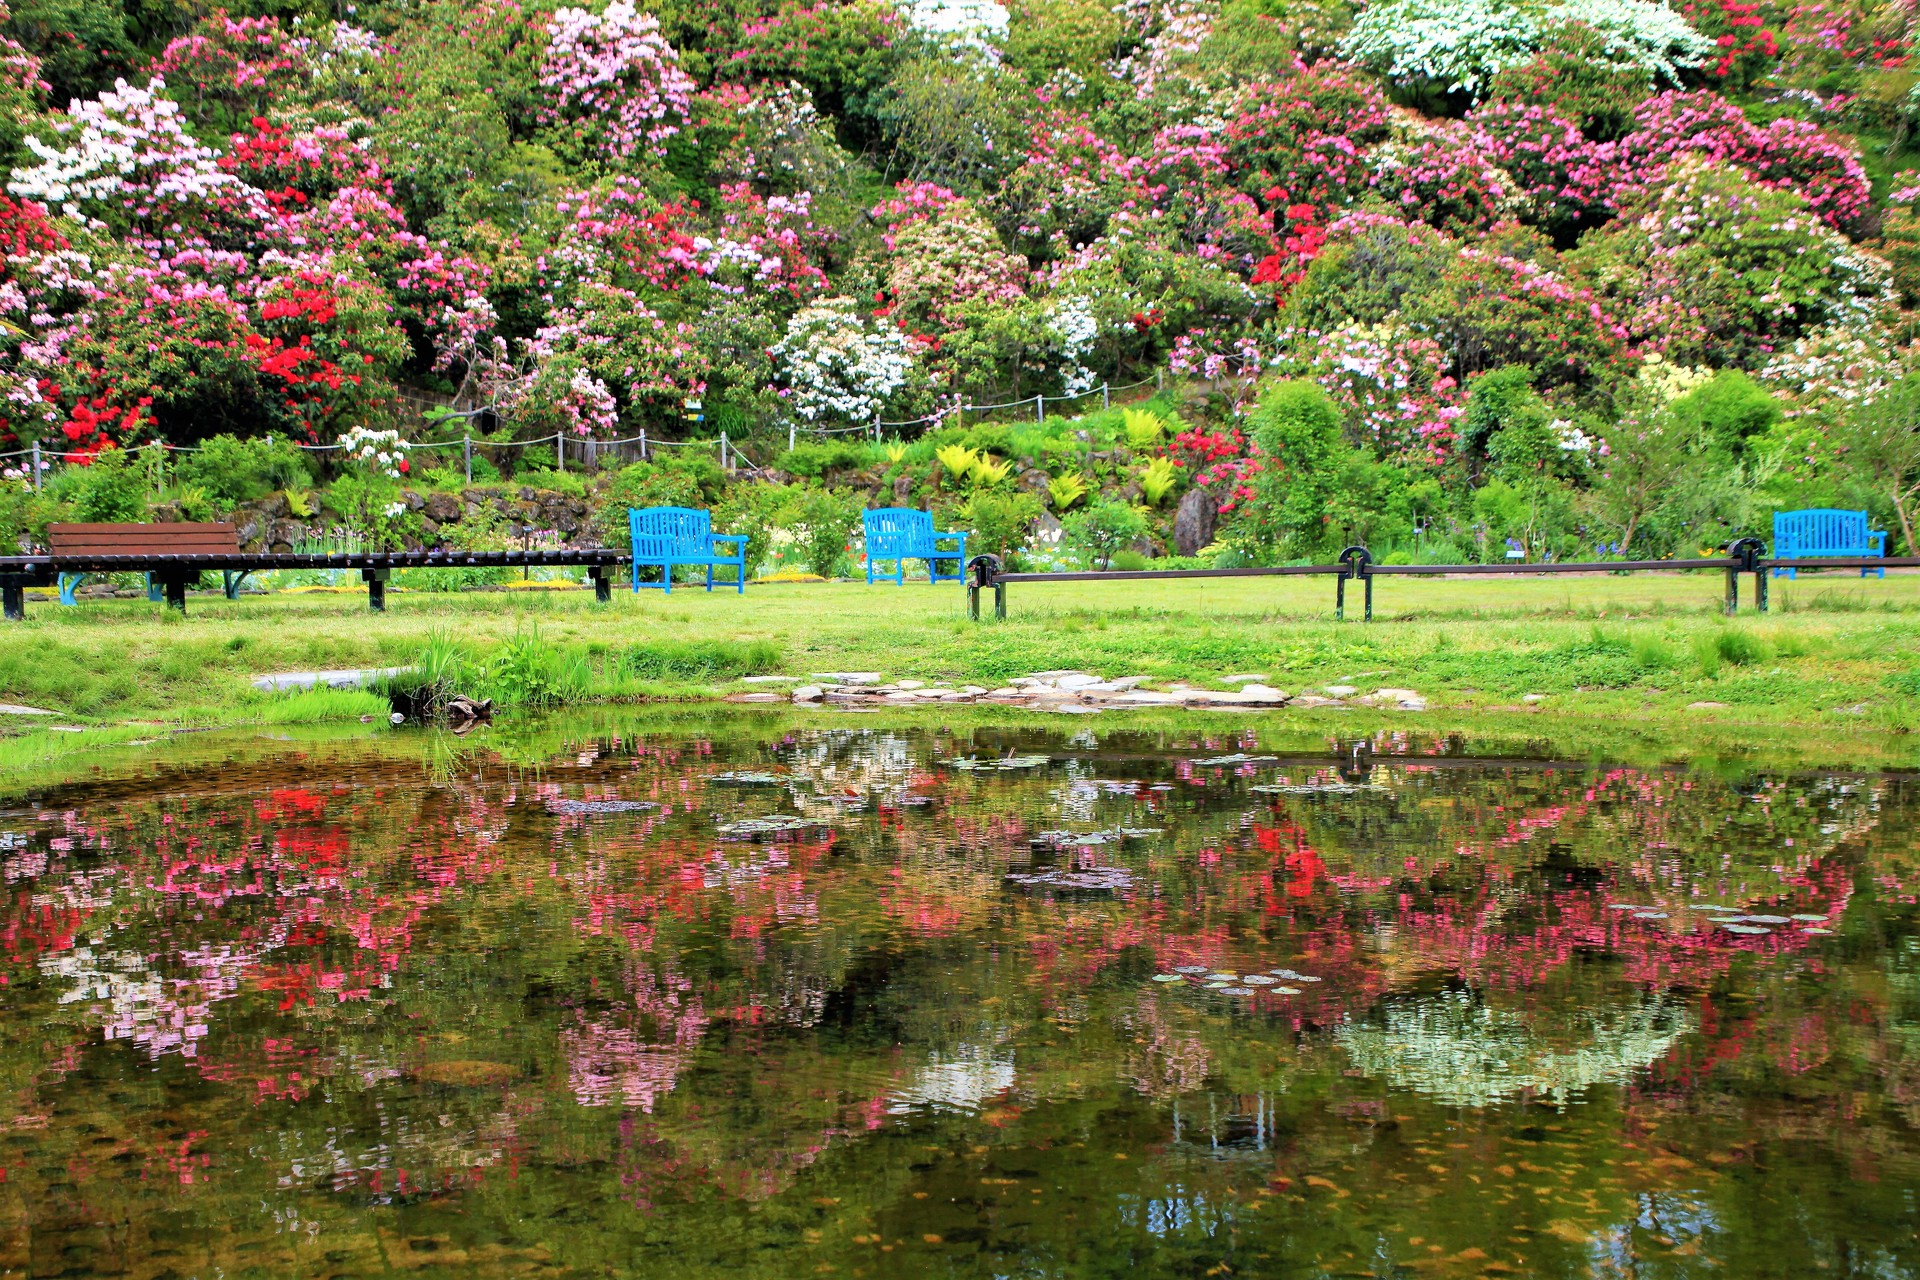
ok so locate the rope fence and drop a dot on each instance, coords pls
(731, 458)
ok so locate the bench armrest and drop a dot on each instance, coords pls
(1877, 539)
(740, 538)
(962, 534)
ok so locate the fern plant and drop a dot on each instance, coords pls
(1157, 479)
(1066, 489)
(1143, 428)
(989, 470)
(956, 459)
(896, 451)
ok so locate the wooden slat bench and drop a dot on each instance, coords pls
(80, 541)
(174, 568)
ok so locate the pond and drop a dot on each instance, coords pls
(746, 999)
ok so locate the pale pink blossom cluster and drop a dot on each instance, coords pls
(617, 75)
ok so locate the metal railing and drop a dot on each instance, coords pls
(1356, 565)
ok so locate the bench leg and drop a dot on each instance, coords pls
(602, 588)
(740, 576)
(176, 592)
(15, 597)
(230, 581)
(376, 580)
(709, 577)
(68, 581)
(156, 592)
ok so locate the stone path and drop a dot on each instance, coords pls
(285, 680)
(15, 709)
(1077, 692)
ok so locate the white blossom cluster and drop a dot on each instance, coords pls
(384, 451)
(974, 24)
(1460, 43)
(124, 134)
(838, 365)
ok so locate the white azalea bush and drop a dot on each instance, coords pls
(841, 364)
(1460, 44)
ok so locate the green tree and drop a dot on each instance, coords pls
(1879, 445)
(1103, 529)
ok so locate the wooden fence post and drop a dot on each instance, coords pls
(466, 453)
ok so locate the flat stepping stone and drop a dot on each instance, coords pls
(593, 807)
(15, 709)
(848, 677)
(769, 679)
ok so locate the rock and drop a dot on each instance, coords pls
(768, 679)
(1054, 676)
(756, 697)
(1403, 699)
(15, 709)
(1315, 700)
(1194, 522)
(1076, 680)
(287, 533)
(443, 508)
(848, 677)
(249, 530)
(413, 500)
(1339, 690)
(903, 491)
(1034, 481)
(972, 690)
(429, 527)
(809, 693)
(934, 693)
(1704, 706)
(1005, 693)
(396, 719)
(910, 684)
(1255, 678)
(1534, 697)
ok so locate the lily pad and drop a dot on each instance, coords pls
(1811, 919)
(1765, 919)
(1292, 975)
(1285, 991)
(1225, 977)
(1097, 880)
(592, 807)
(1649, 915)
(1168, 977)
(1236, 991)
(1217, 762)
(1817, 931)
(1258, 980)
(1624, 906)
(1755, 929)
(1191, 968)
(1217, 986)
(748, 778)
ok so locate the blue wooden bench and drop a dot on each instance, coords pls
(1824, 531)
(669, 536)
(901, 534)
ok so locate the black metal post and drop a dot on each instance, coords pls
(602, 588)
(16, 600)
(376, 580)
(1733, 592)
(1000, 600)
(973, 601)
(1748, 552)
(980, 573)
(1358, 561)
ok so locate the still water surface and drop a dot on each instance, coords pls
(758, 1003)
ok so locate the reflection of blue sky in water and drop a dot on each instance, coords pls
(1459, 1050)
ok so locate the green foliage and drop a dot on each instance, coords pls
(112, 488)
(1104, 529)
(1157, 480)
(696, 659)
(567, 482)
(1066, 489)
(1727, 646)
(1001, 523)
(643, 484)
(83, 45)
(1731, 411)
(954, 122)
(1298, 429)
(821, 523)
(232, 470)
(370, 504)
(1129, 561)
(814, 459)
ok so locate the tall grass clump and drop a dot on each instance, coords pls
(1729, 647)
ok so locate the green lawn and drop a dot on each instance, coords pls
(1837, 651)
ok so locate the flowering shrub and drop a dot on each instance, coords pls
(949, 259)
(1445, 179)
(1392, 387)
(1459, 44)
(1786, 154)
(614, 77)
(382, 452)
(1561, 177)
(840, 364)
(1715, 267)
(227, 69)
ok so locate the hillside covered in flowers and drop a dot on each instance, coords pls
(1582, 275)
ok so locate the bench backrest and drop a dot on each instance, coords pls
(669, 531)
(142, 539)
(1820, 531)
(897, 531)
